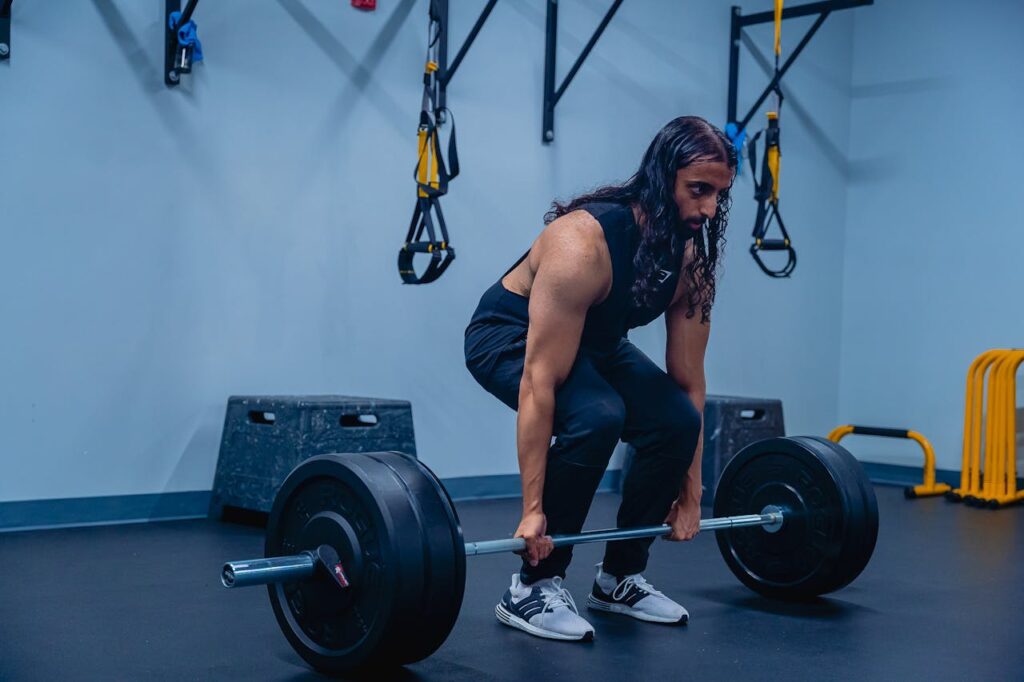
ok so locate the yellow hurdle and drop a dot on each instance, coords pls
(1000, 477)
(929, 487)
(1010, 420)
(987, 422)
(992, 486)
(970, 471)
(989, 472)
(988, 475)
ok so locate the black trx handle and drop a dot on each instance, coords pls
(441, 253)
(774, 245)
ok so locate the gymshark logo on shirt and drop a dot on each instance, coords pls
(663, 276)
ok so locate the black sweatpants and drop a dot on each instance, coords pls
(611, 394)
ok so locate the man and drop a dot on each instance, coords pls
(549, 340)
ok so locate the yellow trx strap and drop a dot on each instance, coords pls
(778, 28)
(774, 153)
(773, 116)
(426, 172)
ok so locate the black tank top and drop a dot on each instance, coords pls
(609, 321)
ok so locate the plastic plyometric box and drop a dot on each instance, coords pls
(265, 437)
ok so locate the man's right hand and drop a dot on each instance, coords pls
(533, 528)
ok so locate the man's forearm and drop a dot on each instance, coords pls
(533, 436)
(692, 488)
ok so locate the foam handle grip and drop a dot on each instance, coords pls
(878, 431)
(773, 245)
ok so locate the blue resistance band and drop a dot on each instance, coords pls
(187, 36)
(738, 139)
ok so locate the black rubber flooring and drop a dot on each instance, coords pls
(942, 599)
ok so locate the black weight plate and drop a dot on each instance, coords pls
(444, 562)
(362, 626)
(866, 514)
(858, 530)
(404, 640)
(805, 557)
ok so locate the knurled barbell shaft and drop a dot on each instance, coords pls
(769, 517)
(302, 566)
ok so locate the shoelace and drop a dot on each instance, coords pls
(638, 580)
(555, 595)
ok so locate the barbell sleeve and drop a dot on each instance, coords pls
(279, 569)
(302, 566)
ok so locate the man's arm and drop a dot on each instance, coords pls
(684, 358)
(574, 271)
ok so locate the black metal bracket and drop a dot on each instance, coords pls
(822, 9)
(445, 72)
(551, 95)
(5, 29)
(177, 58)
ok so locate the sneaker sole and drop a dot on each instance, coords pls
(510, 619)
(599, 605)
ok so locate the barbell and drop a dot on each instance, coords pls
(363, 549)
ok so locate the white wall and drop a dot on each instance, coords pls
(932, 273)
(164, 249)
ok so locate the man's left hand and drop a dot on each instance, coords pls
(684, 518)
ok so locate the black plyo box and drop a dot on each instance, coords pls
(730, 424)
(265, 437)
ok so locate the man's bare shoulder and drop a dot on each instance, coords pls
(577, 235)
(571, 258)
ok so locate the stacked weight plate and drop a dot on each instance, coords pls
(400, 545)
(831, 517)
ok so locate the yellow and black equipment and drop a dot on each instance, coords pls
(988, 477)
(766, 194)
(926, 489)
(432, 171)
(766, 188)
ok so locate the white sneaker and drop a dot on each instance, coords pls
(635, 597)
(543, 608)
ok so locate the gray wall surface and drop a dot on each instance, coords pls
(163, 249)
(932, 270)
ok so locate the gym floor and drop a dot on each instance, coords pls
(940, 600)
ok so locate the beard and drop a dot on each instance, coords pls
(690, 227)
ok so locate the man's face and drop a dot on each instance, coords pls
(697, 188)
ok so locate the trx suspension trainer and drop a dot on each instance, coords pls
(432, 173)
(766, 189)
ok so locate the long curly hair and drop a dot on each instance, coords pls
(682, 142)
